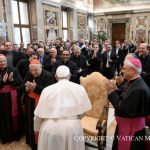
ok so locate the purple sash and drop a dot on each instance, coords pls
(10, 89)
(126, 130)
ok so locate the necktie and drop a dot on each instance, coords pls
(40, 59)
(108, 57)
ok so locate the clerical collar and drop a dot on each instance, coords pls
(65, 62)
(131, 81)
(3, 69)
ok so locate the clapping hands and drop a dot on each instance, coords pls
(7, 77)
(30, 86)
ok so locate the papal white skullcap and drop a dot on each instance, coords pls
(62, 71)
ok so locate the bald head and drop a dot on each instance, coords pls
(3, 61)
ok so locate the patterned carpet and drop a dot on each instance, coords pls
(19, 145)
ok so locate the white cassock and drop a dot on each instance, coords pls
(57, 116)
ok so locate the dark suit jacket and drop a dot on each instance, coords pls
(70, 64)
(14, 55)
(109, 72)
(119, 55)
(81, 63)
(113, 57)
(146, 68)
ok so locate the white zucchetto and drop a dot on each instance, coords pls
(62, 71)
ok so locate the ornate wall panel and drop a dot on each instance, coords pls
(137, 25)
(3, 25)
(1, 9)
(71, 23)
(82, 25)
(140, 27)
(33, 19)
(51, 22)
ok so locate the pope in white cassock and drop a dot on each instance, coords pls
(58, 114)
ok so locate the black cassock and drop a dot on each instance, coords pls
(44, 80)
(11, 120)
(133, 102)
(70, 64)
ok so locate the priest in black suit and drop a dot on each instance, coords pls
(67, 62)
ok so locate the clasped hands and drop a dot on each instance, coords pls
(30, 86)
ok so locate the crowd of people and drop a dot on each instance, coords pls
(26, 72)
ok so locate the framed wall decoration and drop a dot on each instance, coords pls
(50, 18)
(51, 34)
(51, 22)
(3, 30)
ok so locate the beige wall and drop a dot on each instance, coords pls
(51, 22)
(77, 21)
(137, 25)
(135, 15)
(82, 25)
(2, 22)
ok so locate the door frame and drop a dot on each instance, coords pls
(122, 20)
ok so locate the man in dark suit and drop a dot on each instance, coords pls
(65, 61)
(81, 62)
(13, 57)
(144, 56)
(119, 54)
(108, 62)
(51, 59)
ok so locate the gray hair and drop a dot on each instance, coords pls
(137, 69)
(77, 48)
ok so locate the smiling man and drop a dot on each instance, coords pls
(10, 80)
(35, 81)
(131, 107)
(65, 60)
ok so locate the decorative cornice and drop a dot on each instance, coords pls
(122, 12)
(51, 3)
